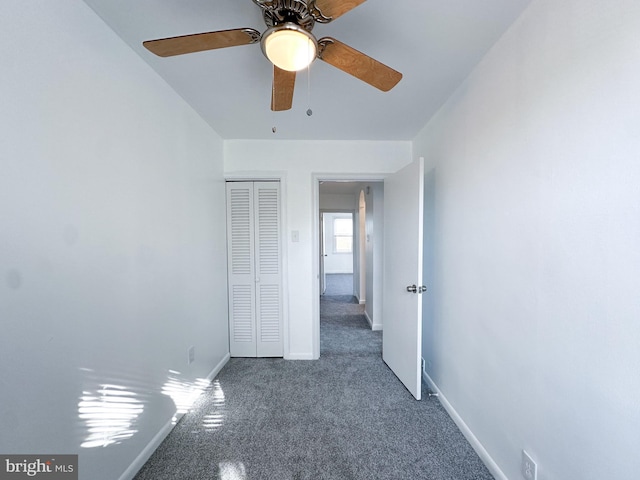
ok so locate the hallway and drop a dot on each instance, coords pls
(338, 284)
(342, 417)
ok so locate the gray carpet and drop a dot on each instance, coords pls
(343, 417)
(339, 284)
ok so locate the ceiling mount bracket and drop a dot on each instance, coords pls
(253, 34)
(322, 44)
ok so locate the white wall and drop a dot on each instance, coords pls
(112, 244)
(301, 160)
(534, 234)
(374, 229)
(338, 202)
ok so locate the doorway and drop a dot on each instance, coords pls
(337, 253)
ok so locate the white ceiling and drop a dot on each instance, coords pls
(435, 44)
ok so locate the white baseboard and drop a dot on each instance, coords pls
(146, 453)
(366, 315)
(157, 439)
(374, 326)
(491, 465)
(216, 370)
(300, 356)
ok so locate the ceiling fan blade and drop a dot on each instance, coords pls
(282, 90)
(198, 42)
(336, 8)
(358, 64)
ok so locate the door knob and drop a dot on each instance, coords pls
(412, 289)
(421, 289)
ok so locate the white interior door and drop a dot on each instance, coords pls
(401, 307)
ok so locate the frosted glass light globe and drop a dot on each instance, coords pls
(289, 47)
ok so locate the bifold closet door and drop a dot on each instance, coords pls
(254, 269)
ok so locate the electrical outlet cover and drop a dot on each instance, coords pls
(529, 467)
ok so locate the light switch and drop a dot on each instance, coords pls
(295, 236)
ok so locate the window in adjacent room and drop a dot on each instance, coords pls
(342, 235)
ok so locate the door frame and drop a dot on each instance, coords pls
(284, 261)
(316, 178)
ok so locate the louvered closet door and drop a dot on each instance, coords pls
(268, 284)
(254, 270)
(240, 268)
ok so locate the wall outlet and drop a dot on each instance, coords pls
(191, 355)
(529, 467)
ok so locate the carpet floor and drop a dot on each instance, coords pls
(343, 417)
(338, 284)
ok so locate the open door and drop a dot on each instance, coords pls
(402, 284)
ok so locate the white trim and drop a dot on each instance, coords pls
(366, 315)
(300, 356)
(216, 370)
(374, 326)
(254, 176)
(316, 215)
(361, 301)
(489, 462)
(147, 451)
(157, 439)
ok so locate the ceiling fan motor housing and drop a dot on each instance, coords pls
(278, 12)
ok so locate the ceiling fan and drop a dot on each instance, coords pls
(289, 44)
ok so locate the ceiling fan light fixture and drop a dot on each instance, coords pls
(289, 47)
